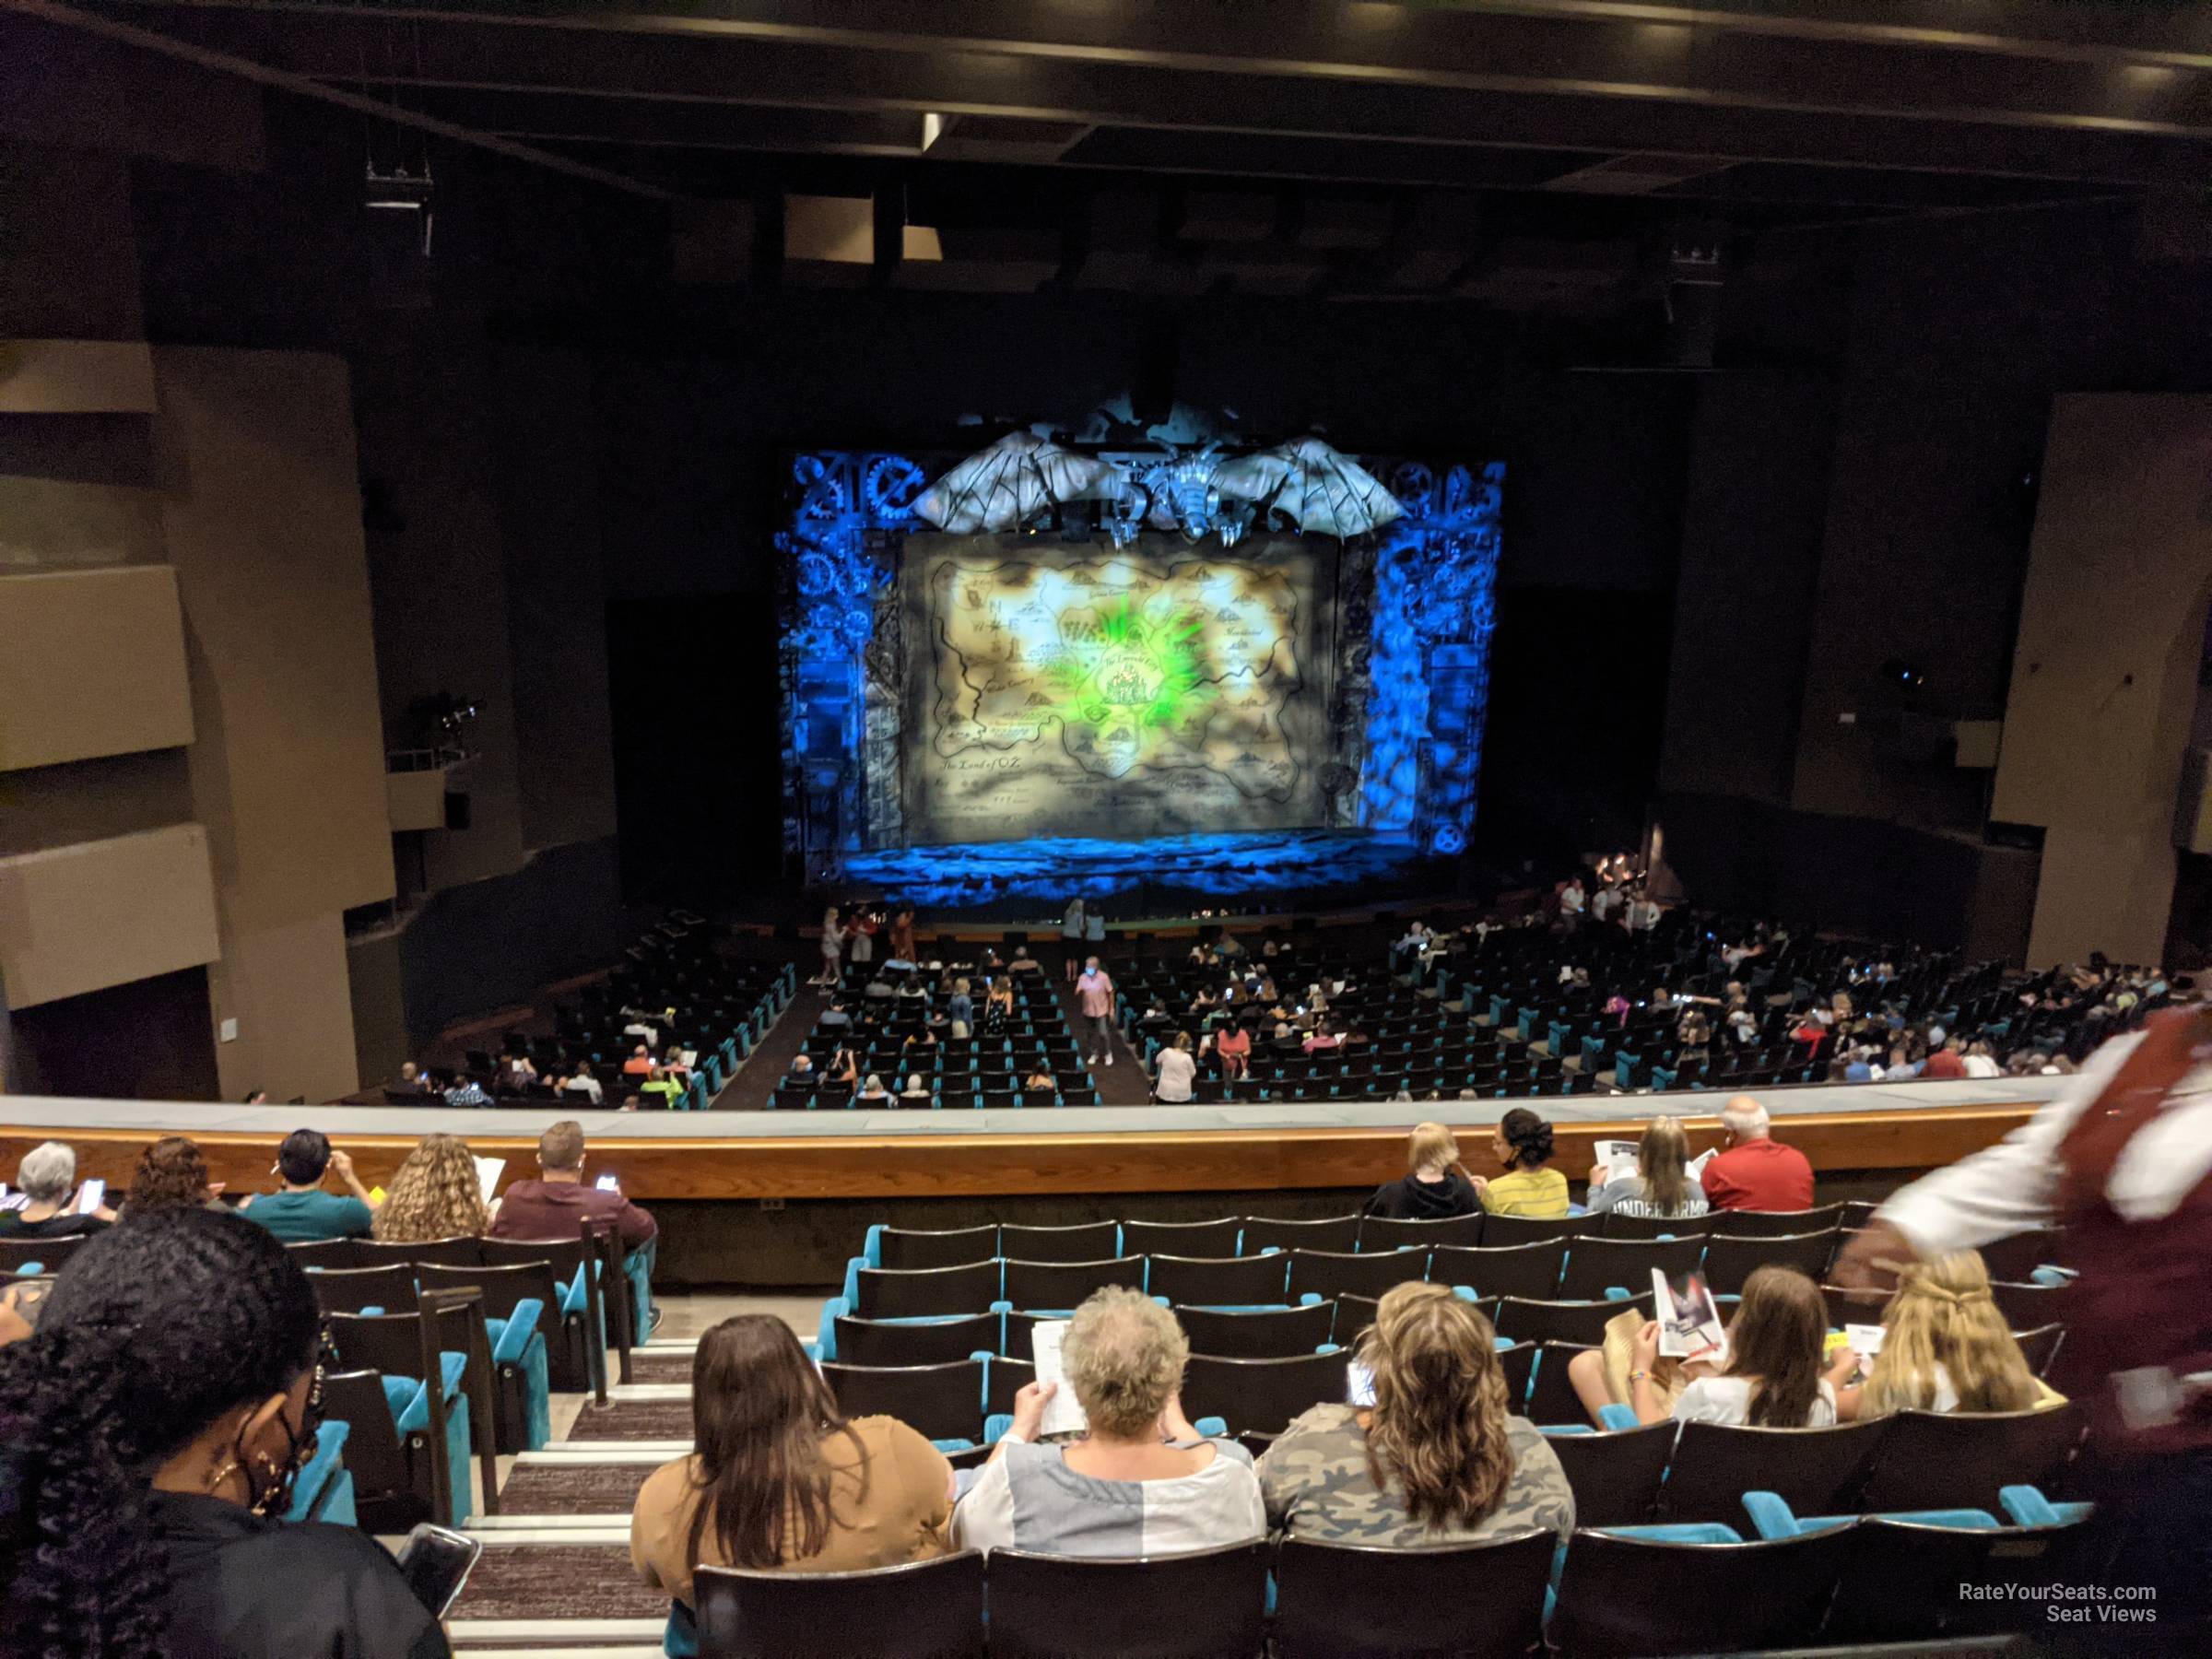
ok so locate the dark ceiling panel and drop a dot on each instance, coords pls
(1279, 155)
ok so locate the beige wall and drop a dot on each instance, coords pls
(2104, 672)
(91, 664)
(261, 516)
(101, 914)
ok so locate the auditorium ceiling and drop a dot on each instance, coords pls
(1533, 154)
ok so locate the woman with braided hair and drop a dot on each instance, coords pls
(150, 1429)
(1945, 1347)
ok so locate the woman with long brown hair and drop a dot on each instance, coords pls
(1773, 1379)
(1660, 1188)
(436, 1194)
(779, 1478)
(1433, 1456)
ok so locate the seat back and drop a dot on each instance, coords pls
(326, 1253)
(501, 1288)
(943, 1402)
(390, 1288)
(932, 1342)
(1816, 1471)
(450, 1252)
(888, 1293)
(1769, 1224)
(2012, 1260)
(1328, 1273)
(1582, 1323)
(1731, 1259)
(1058, 1285)
(1503, 1232)
(1551, 1396)
(2023, 1306)
(372, 1451)
(1332, 1232)
(1382, 1232)
(930, 1609)
(1961, 1459)
(1261, 1396)
(1518, 1361)
(1284, 1334)
(1529, 1271)
(1231, 1281)
(1903, 1580)
(1349, 1601)
(1206, 1606)
(1355, 1313)
(1618, 1225)
(1085, 1241)
(576, 1352)
(50, 1253)
(1595, 1265)
(1218, 1238)
(1615, 1476)
(1643, 1597)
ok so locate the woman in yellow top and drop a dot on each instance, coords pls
(1522, 1144)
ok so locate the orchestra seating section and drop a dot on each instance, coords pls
(895, 1037)
(1690, 1539)
(675, 991)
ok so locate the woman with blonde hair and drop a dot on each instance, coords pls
(1142, 1481)
(1433, 1456)
(436, 1194)
(1661, 1189)
(1945, 1347)
(1434, 1186)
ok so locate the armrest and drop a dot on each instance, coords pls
(511, 1335)
(1615, 1417)
(1770, 1516)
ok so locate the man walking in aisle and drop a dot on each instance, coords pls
(1094, 1000)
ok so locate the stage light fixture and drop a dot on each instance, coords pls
(1907, 676)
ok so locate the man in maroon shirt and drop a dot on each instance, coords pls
(558, 1203)
(1949, 1061)
(1757, 1172)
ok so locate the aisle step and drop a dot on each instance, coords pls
(610, 1450)
(506, 1524)
(624, 1394)
(481, 1633)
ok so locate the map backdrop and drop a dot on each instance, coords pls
(1061, 689)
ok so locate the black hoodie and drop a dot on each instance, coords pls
(1411, 1200)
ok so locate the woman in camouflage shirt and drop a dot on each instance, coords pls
(1435, 1460)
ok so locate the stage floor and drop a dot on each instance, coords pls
(1294, 866)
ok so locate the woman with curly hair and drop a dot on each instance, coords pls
(150, 1429)
(1521, 1142)
(1433, 1458)
(171, 1175)
(436, 1194)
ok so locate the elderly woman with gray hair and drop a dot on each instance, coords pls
(1142, 1481)
(47, 1179)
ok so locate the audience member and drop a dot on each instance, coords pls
(171, 1175)
(585, 1084)
(917, 1087)
(872, 1089)
(1773, 1378)
(1660, 1188)
(300, 1212)
(1521, 1142)
(1174, 1071)
(1071, 940)
(411, 1077)
(1757, 1172)
(1981, 1063)
(558, 1203)
(1435, 1458)
(1094, 998)
(662, 1085)
(156, 1421)
(833, 949)
(1945, 1347)
(780, 1476)
(435, 1194)
(640, 1064)
(467, 1091)
(959, 1007)
(1435, 1184)
(1041, 1083)
(47, 1177)
(1143, 1481)
(1234, 1043)
(1947, 1062)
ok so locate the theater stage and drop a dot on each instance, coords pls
(798, 1156)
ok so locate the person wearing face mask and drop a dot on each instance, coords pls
(150, 1430)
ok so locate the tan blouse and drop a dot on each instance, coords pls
(900, 1516)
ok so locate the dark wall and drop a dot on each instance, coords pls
(149, 1040)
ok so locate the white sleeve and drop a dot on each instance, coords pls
(983, 1519)
(2009, 1187)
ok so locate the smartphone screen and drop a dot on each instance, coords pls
(607, 1183)
(435, 1561)
(90, 1197)
(1360, 1383)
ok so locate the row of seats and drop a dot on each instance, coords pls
(1624, 1591)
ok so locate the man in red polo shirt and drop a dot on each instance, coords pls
(1757, 1172)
